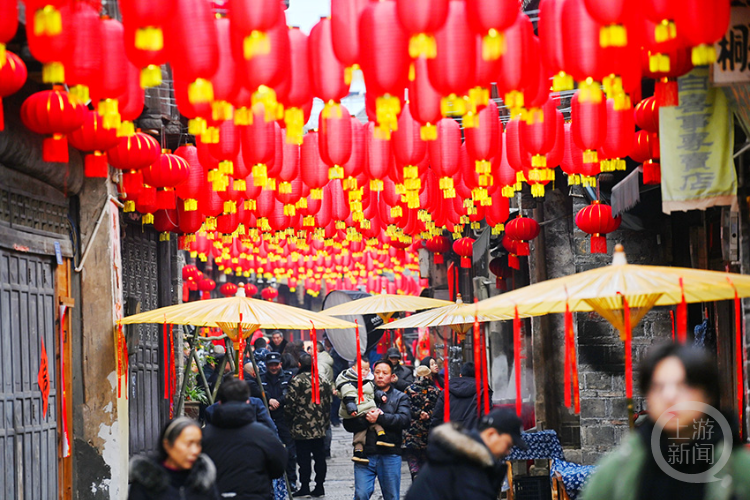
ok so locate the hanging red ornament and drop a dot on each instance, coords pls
(8, 26)
(620, 134)
(420, 20)
(225, 81)
(384, 60)
(464, 247)
(314, 172)
(112, 85)
(300, 86)
(53, 113)
(489, 19)
(345, 32)
(12, 77)
(259, 144)
(164, 174)
(189, 190)
(378, 157)
(703, 22)
(228, 289)
(581, 37)
(269, 293)
(453, 70)
(84, 64)
(444, 154)
(613, 16)
(134, 152)
(335, 140)
(438, 245)
(409, 149)
(94, 139)
(551, 39)
(522, 229)
(483, 141)
(251, 20)
(326, 72)
(514, 71)
(589, 125)
(596, 220)
(424, 101)
(48, 31)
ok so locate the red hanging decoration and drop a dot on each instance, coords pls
(739, 358)
(8, 26)
(53, 113)
(517, 359)
(314, 372)
(628, 347)
(12, 77)
(522, 229)
(682, 316)
(477, 361)
(95, 140)
(360, 391)
(485, 373)
(464, 247)
(567, 372)
(596, 220)
(447, 378)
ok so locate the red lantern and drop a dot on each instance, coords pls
(8, 26)
(188, 222)
(144, 21)
(48, 31)
(515, 63)
(384, 60)
(438, 245)
(581, 37)
(166, 173)
(453, 70)
(596, 220)
(269, 293)
(251, 290)
(130, 105)
(111, 87)
(420, 20)
(444, 154)
(620, 133)
(54, 113)
(192, 42)
(335, 140)
(503, 173)
(424, 101)
(189, 190)
(522, 229)
(314, 171)
(555, 155)
(489, 18)
(703, 22)
(613, 15)
(206, 285)
(300, 86)
(326, 72)
(85, 59)
(345, 31)
(496, 267)
(483, 141)
(225, 151)
(12, 77)
(647, 115)
(252, 19)
(134, 152)
(94, 139)
(225, 81)
(538, 138)
(551, 40)
(589, 125)
(464, 247)
(228, 289)
(378, 157)
(259, 144)
(408, 147)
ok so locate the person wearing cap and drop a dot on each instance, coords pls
(467, 464)
(423, 395)
(463, 399)
(275, 384)
(404, 376)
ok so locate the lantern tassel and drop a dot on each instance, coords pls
(493, 45)
(150, 76)
(739, 358)
(682, 317)
(95, 165)
(446, 390)
(598, 243)
(477, 361)
(360, 390)
(257, 43)
(485, 374)
(666, 93)
(517, 359)
(422, 45)
(628, 348)
(514, 262)
(55, 149)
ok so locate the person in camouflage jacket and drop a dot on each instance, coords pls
(423, 395)
(308, 423)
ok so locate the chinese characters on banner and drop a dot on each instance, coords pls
(697, 140)
(43, 380)
(733, 50)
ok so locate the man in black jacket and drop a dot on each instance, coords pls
(463, 394)
(393, 413)
(467, 464)
(246, 453)
(404, 375)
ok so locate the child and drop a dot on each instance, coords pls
(347, 386)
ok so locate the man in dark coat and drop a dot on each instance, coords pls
(278, 342)
(393, 413)
(404, 375)
(246, 453)
(463, 394)
(261, 413)
(467, 464)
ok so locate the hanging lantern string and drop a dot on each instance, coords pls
(671, 317)
(241, 356)
(682, 316)
(738, 353)
(568, 368)
(360, 390)
(446, 390)
(485, 372)
(314, 371)
(165, 343)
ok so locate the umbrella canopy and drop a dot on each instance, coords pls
(225, 313)
(385, 305)
(460, 322)
(602, 290)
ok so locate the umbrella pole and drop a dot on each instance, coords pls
(222, 365)
(183, 387)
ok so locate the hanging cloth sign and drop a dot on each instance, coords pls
(64, 399)
(43, 380)
(697, 140)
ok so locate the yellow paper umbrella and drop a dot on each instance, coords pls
(613, 290)
(459, 322)
(386, 305)
(226, 312)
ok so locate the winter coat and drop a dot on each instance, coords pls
(395, 418)
(276, 387)
(325, 366)
(347, 384)
(261, 413)
(246, 453)
(463, 393)
(405, 377)
(278, 348)
(150, 480)
(423, 396)
(459, 467)
(620, 475)
(306, 419)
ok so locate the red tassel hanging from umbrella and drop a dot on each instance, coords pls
(568, 358)
(172, 375)
(485, 373)
(241, 346)
(671, 316)
(314, 371)
(477, 361)
(517, 358)
(628, 349)
(451, 285)
(165, 343)
(446, 390)
(682, 317)
(738, 350)
(360, 391)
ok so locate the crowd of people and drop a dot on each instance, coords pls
(267, 434)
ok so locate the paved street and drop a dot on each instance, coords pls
(340, 481)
